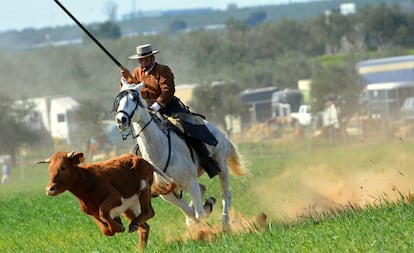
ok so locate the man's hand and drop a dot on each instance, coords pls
(154, 110)
(125, 73)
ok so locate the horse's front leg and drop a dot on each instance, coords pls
(202, 190)
(183, 205)
(195, 194)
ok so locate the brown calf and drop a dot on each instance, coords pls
(106, 190)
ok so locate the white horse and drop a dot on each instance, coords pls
(165, 149)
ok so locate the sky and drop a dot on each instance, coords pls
(21, 14)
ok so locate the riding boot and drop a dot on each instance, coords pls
(205, 160)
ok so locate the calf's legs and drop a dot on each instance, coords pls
(112, 200)
(103, 226)
(147, 211)
(143, 231)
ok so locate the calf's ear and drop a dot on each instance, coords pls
(77, 158)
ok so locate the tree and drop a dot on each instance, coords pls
(216, 102)
(106, 31)
(15, 128)
(328, 31)
(385, 26)
(233, 24)
(177, 25)
(255, 18)
(90, 116)
(337, 82)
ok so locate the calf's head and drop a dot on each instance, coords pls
(62, 171)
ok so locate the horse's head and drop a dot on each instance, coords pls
(126, 104)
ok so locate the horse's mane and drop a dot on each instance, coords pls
(117, 99)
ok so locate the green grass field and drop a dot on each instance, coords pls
(319, 199)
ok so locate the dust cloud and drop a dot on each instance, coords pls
(315, 190)
(300, 192)
(239, 224)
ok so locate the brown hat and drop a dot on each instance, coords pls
(143, 51)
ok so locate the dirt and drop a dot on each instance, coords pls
(314, 190)
(294, 195)
(311, 191)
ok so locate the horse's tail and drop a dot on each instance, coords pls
(236, 162)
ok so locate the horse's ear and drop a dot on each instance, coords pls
(139, 86)
(124, 84)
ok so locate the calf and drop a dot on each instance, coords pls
(106, 190)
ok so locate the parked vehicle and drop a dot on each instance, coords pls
(407, 110)
(291, 97)
(303, 117)
(256, 106)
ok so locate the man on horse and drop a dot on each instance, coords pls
(158, 91)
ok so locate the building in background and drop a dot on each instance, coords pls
(53, 114)
(385, 84)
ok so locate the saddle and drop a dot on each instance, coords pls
(193, 126)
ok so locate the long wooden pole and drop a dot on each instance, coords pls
(90, 35)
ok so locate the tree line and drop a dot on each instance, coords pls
(324, 48)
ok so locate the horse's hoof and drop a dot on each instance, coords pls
(132, 228)
(208, 204)
(211, 200)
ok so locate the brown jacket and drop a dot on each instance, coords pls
(159, 84)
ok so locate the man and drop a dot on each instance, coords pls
(6, 172)
(158, 92)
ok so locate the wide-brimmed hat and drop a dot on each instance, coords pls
(143, 51)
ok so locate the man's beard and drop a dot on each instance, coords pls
(148, 68)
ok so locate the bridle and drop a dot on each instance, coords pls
(122, 94)
(136, 98)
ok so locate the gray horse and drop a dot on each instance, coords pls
(166, 149)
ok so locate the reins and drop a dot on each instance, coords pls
(142, 129)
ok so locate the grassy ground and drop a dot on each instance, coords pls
(317, 197)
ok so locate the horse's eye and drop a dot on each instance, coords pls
(62, 168)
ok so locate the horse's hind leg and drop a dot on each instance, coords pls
(225, 196)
